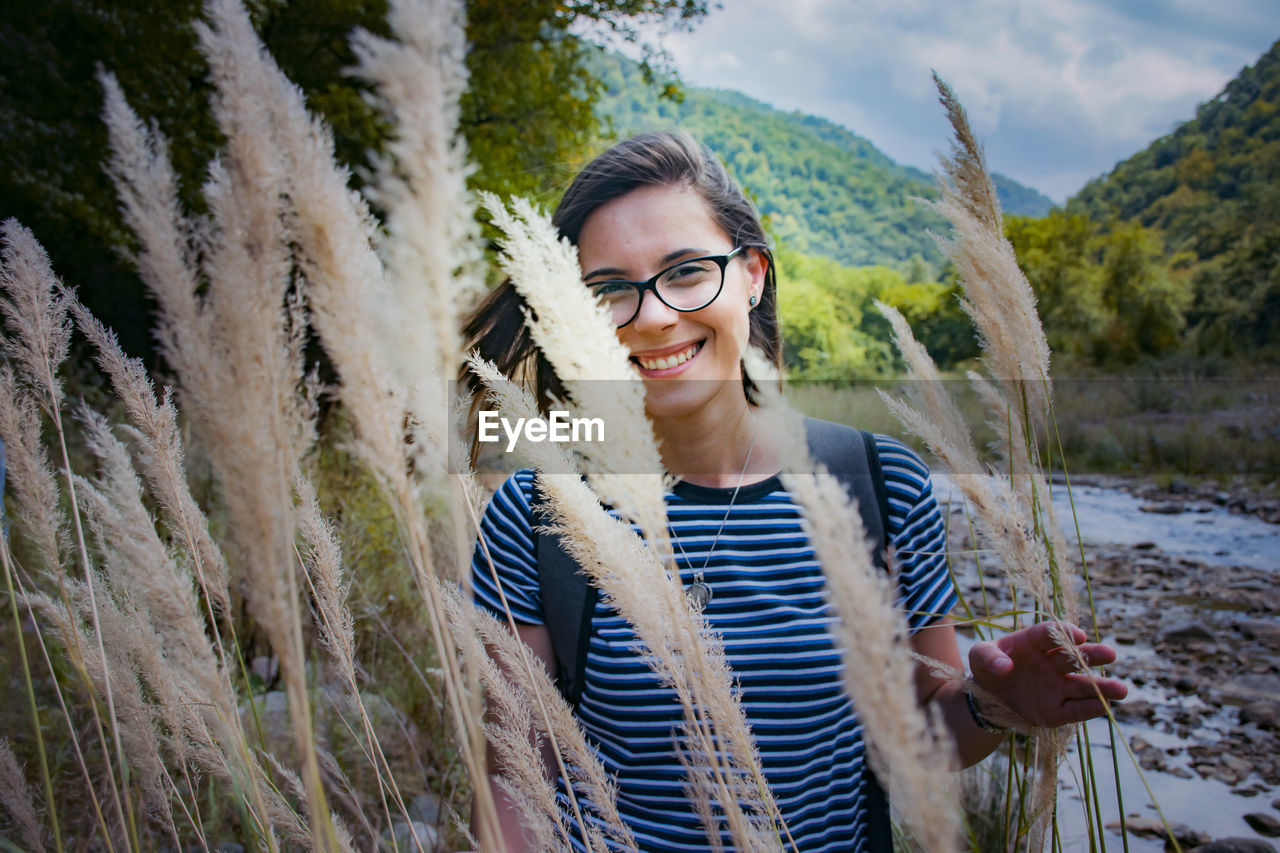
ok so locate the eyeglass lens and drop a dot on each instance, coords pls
(687, 286)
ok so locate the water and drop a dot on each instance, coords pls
(1203, 804)
(1214, 536)
(1113, 517)
(1211, 535)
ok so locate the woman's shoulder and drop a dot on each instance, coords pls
(899, 459)
(515, 496)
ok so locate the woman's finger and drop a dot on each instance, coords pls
(1098, 654)
(1078, 710)
(989, 658)
(1082, 686)
(1045, 636)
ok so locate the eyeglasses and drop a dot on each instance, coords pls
(689, 285)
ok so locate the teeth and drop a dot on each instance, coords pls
(670, 361)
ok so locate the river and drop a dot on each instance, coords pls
(1207, 542)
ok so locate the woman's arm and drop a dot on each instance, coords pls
(1028, 671)
(515, 835)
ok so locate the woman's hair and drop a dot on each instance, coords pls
(665, 158)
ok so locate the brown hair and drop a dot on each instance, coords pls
(665, 158)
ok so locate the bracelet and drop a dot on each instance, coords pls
(979, 719)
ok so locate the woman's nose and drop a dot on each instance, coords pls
(654, 313)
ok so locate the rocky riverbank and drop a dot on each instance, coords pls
(1200, 646)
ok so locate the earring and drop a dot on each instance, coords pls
(751, 301)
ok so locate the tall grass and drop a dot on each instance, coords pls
(1009, 499)
(148, 623)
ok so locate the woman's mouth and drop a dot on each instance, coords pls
(669, 361)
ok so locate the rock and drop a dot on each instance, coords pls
(1235, 845)
(1149, 757)
(1192, 633)
(1275, 804)
(1232, 769)
(1137, 709)
(1149, 827)
(266, 668)
(273, 714)
(1259, 629)
(1179, 487)
(1162, 509)
(404, 835)
(1145, 546)
(1265, 714)
(1264, 824)
(425, 808)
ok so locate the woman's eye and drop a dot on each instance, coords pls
(611, 289)
(685, 272)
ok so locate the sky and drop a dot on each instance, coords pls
(1060, 90)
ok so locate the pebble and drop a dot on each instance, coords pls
(1264, 714)
(1149, 827)
(404, 835)
(1235, 845)
(426, 808)
(1264, 824)
(1259, 629)
(1185, 635)
(1149, 757)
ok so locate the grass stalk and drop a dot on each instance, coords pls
(38, 734)
(130, 823)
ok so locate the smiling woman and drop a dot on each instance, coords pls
(677, 255)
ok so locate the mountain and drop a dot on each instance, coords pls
(1212, 189)
(1209, 170)
(824, 189)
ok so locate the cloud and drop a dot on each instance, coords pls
(1060, 89)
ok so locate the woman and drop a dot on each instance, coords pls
(670, 244)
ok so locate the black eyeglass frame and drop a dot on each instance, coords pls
(651, 284)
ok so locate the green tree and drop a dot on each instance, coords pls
(1055, 254)
(527, 116)
(1106, 294)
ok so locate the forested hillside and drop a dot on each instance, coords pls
(825, 190)
(1211, 192)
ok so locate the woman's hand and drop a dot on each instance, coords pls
(1039, 680)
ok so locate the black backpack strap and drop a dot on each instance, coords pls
(568, 603)
(852, 458)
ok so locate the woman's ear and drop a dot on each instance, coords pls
(757, 266)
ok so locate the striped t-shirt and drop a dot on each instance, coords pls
(769, 606)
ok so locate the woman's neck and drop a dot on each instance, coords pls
(719, 447)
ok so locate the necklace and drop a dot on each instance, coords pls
(699, 592)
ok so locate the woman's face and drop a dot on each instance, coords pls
(638, 235)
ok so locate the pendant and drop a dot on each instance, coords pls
(698, 594)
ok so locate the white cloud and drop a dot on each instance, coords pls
(1061, 89)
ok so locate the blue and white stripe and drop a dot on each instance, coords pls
(770, 608)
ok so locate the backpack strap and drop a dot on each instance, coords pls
(853, 458)
(568, 604)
